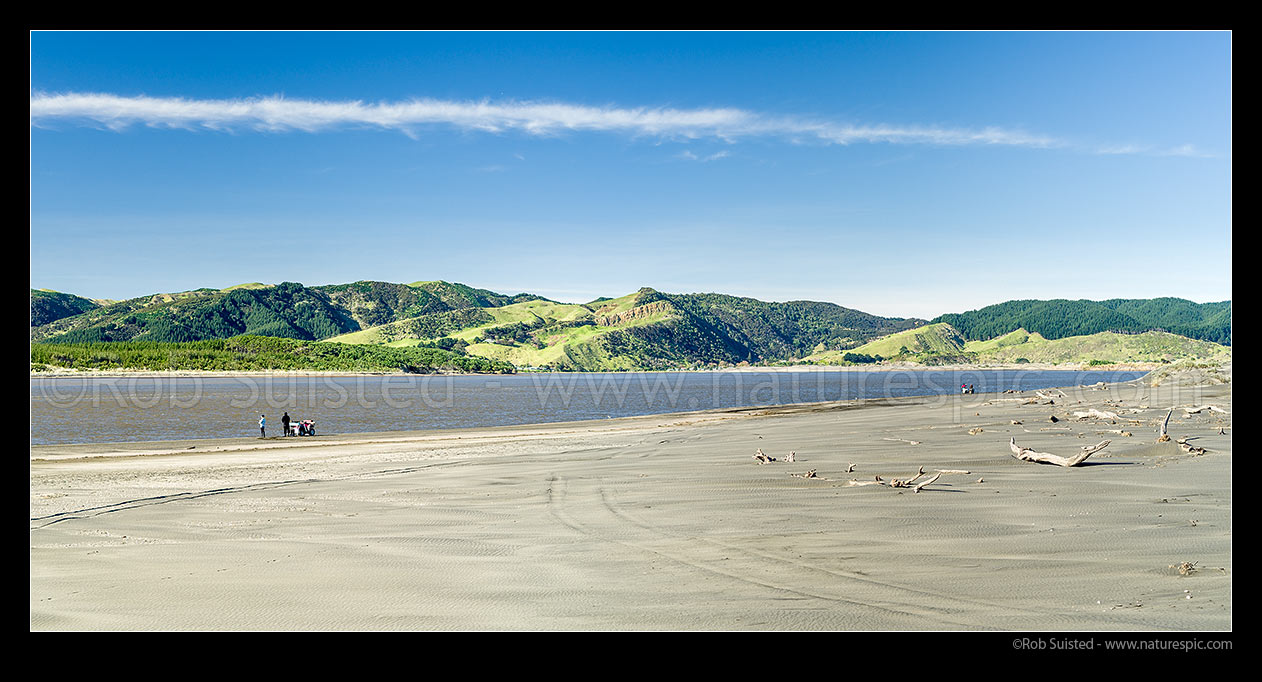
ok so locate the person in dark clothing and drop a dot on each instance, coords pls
(262, 426)
(284, 424)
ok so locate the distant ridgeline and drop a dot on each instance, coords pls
(1057, 319)
(644, 330)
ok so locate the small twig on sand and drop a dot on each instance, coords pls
(1186, 568)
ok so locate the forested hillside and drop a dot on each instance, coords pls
(254, 353)
(647, 329)
(287, 310)
(372, 304)
(50, 306)
(782, 331)
(1056, 319)
(644, 330)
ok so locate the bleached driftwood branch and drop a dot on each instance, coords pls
(1028, 455)
(1211, 408)
(1165, 425)
(903, 483)
(927, 482)
(1188, 447)
(1095, 414)
(899, 483)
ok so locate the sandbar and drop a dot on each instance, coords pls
(663, 522)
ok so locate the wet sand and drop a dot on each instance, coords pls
(664, 522)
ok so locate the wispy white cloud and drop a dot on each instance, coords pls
(689, 156)
(276, 113)
(1133, 149)
(1187, 150)
(1124, 149)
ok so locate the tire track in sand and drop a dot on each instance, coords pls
(38, 522)
(930, 600)
(750, 568)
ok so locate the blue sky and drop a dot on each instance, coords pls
(903, 174)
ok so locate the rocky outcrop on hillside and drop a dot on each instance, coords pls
(635, 313)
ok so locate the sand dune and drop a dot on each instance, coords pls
(662, 522)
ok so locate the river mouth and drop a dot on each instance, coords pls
(148, 408)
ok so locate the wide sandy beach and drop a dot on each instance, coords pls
(664, 522)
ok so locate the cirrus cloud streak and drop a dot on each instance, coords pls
(280, 114)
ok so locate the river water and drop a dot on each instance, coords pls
(107, 410)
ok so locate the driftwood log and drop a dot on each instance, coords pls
(1165, 425)
(1028, 455)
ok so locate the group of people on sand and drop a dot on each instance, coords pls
(289, 427)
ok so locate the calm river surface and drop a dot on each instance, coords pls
(106, 410)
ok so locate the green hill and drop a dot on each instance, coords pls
(372, 304)
(643, 330)
(647, 329)
(1056, 319)
(253, 353)
(287, 310)
(936, 342)
(49, 306)
(939, 343)
(1099, 348)
(784, 331)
